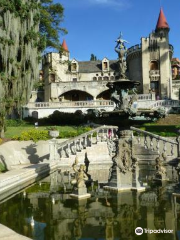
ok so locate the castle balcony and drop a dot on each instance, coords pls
(154, 75)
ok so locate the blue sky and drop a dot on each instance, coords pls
(94, 25)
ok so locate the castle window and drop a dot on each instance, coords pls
(112, 78)
(52, 77)
(105, 64)
(99, 78)
(94, 78)
(74, 79)
(154, 65)
(73, 67)
(106, 78)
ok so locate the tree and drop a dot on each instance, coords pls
(27, 27)
(19, 54)
(51, 17)
(93, 57)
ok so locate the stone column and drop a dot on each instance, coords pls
(53, 150)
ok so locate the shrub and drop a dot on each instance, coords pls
(15, 122)
(34, 135)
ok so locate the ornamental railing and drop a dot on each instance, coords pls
(157, 143)
(71, 104)
(76, 144)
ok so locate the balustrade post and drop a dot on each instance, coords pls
(68, 150)
(97, 137)
(85, 141)
(178, 146)
(145, 142)
(53, 150)
(91, 138)
(80, 145)
(151, 143)
(157, 147)
(75, 146)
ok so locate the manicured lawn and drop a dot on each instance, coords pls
(162, 130)
(16, 131)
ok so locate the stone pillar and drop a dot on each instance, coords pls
(124, 165)
(53, 150)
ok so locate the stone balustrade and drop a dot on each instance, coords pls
(145, 97)
(93, 103)
(151, 141)
(154, 72)
(165, 103)
(71, 146)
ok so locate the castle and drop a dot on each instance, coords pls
(149, 63)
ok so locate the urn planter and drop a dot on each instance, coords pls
(53, 133)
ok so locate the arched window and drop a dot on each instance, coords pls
(35, 114)
(106, 78)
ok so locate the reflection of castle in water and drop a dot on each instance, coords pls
(110, 216)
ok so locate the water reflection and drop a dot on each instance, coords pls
(43, 213)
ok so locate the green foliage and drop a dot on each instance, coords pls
(2, 167)
(65, 119)
(18, 65)
(52, 128)
(15, 122)
(51, 16)
(34, 135)
(39, 134)
(93, 57)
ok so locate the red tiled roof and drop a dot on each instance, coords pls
(162, 22)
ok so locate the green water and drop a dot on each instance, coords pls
(105, 215)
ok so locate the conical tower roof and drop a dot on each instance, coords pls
(162, 22)
(64, 46)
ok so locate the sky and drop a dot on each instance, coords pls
(94, 25)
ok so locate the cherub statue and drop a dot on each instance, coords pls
(81, 176)
(160, 169)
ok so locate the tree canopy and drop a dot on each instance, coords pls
(51, 17)
(93, 57)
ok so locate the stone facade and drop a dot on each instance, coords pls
(149, 63)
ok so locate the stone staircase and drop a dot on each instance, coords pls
(96, 158)
(145, 156)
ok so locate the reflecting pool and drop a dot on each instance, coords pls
(45, 211)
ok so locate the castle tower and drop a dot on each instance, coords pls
(156, 60)
(150, 62)
(64, 55)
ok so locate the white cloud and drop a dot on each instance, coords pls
(112, 3)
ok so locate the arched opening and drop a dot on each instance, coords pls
(154, 65)
(105, 95)
(35, 114)
(75, 95)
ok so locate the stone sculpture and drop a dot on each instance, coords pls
(121, 49)
(80, 178)
(161, 173)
